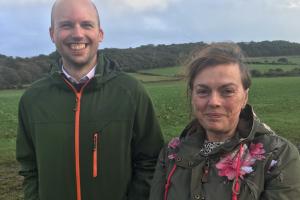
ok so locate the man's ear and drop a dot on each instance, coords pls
(101, 35)
(51, 33)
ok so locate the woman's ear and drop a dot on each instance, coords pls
(246, 97)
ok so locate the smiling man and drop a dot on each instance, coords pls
(87, 131)
(75, 30)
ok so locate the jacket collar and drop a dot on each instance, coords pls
(106, 70)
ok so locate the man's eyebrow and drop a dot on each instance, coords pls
(88, 22)
(64, 22)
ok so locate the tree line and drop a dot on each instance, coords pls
(16, 71)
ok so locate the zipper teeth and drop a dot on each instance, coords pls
(206, 169)
(77, 120)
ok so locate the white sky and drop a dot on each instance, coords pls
(130, 23)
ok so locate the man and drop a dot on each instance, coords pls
(87, 131)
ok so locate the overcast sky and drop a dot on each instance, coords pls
(130, 23)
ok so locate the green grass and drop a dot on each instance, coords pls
(10, 187)
(292, 59)
(152, 78)
(276, 101)
(180, 70)
(166, 71)
(8, 112)
(266, 67)
(169, 100)
(7, 150)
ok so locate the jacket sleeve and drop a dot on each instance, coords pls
(159, 179)
(283, 177)
(146, 144)
(25, 155)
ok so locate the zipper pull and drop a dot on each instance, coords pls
(95, 141)
(204, 178)
(76, 104)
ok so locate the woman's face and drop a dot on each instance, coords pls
(218, 97)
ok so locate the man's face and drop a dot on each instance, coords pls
(76, 33)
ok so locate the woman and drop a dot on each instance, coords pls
(225, 152)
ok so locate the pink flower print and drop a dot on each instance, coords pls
(172, 156)
(228, 164)
(257, 151)
(272, 165)
(174, 143)
(247, 169)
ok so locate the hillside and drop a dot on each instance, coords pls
(17, 72)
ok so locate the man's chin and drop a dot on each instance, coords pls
(77, 62)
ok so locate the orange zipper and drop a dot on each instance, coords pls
(77, 134)
(95, 149)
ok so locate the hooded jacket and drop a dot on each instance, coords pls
(101, 142)
(269, 165)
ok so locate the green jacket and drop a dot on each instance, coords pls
(184, 173)
(101, 143)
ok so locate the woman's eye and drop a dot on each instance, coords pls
(228, 92)
(202, 92)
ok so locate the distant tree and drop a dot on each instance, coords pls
(10, 76)
(25, 76)
(295, 72)
(3, 83)
(283, 60)
(275, 72)
(255, 73)
(17, 70)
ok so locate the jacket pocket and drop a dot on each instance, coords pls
(95, 154)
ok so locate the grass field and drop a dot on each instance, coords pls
(179, 70)
(144, 78)
(10, 182)
(167, 71)
(275, 100)
(266, 67)
(292, 59)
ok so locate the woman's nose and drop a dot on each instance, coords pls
(214, 99)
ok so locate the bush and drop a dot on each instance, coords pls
(255, 73)
(283, 60)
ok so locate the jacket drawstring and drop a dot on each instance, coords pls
(236, 182)
(167, 186)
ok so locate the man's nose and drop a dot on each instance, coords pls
(77, 31)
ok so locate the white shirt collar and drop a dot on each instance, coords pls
(88, 76)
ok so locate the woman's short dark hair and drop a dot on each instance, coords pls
(217, 54)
